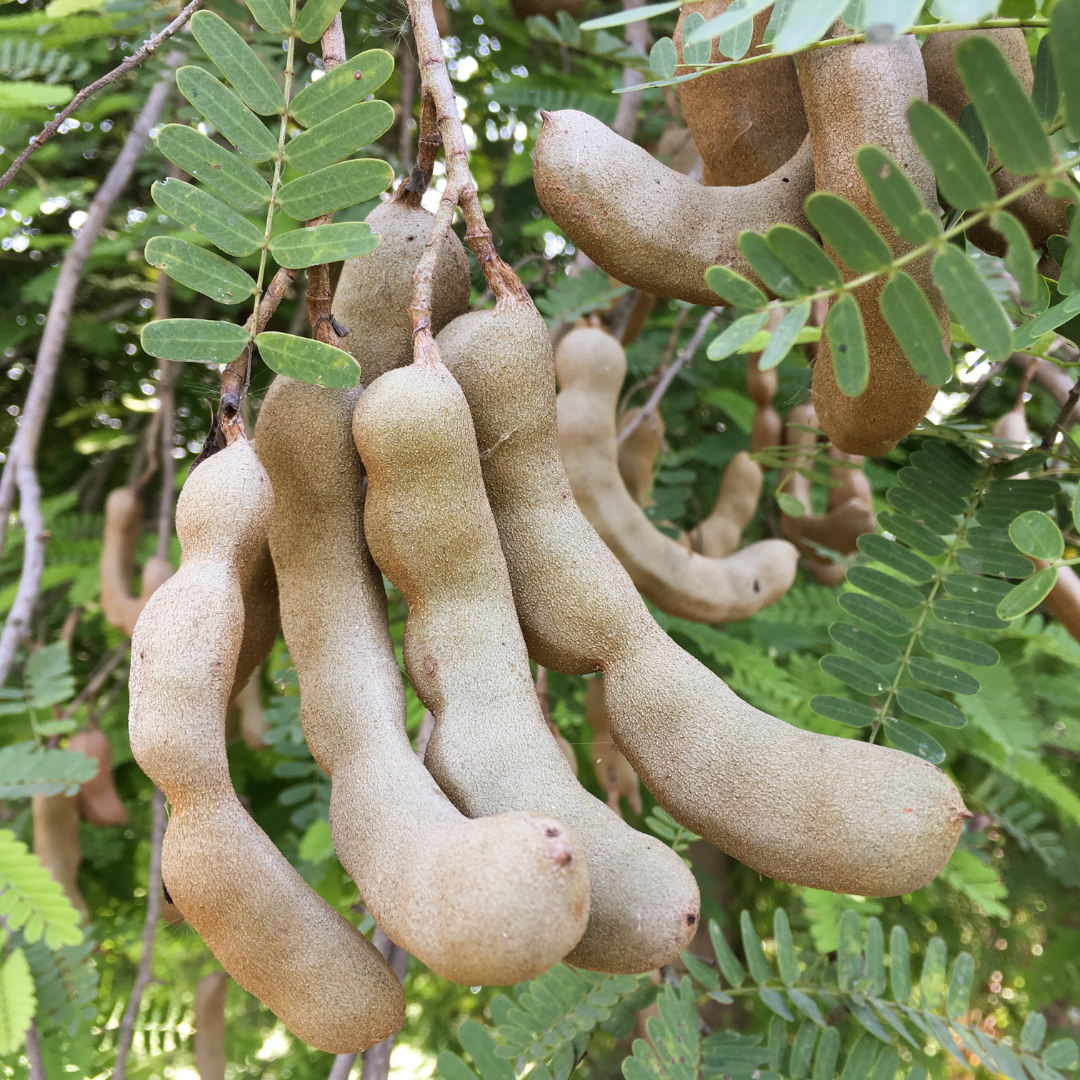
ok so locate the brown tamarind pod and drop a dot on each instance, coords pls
(490, 750)
(267, 927)
(374, 292)
(1063, 601)
(156, 571)
(676, 147)
(646, 224)
(1012, 425)
(97, 800)
(857, 94)
(591, 366)
(210, 997)
(262, 619)
(810, 809)
(253, 725)
(1041, 215)
(767, 429)
(613, 772)
(56, 844)
(718, 535)
(747, 121)
(638, 452)
(492, 901)
(123, 523)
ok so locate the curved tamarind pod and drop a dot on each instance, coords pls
(97, 800)
(56, 844)
(857, 94)
(490, 750)
(374, 292)
(1063, 601)
(767, 428)
(613, 772)
(1012, 425)
(718, 535)
(123, 523)
(676, 148)
(1039, 214)
(591, 366)
(262, 619)
(210, 997)
(646, 224)
(268, 928)
(253, 725)
(493, 901)
(156, 571)
(809, 809)
(746, 121)
(637, 454)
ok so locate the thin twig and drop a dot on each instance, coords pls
(650, 406)
(669, 352)
(105, 667)
(33, 1054)
(153, 914)
(407, 67)
(342, 1067)
(1051, 435)
(147, 49)
(377, 1058)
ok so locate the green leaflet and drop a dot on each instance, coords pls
(911, 740)
(733, 337)
(1028, 594)
(960, 174)
(896, 195)
(227, 113)
(955, 647)
(339, 89)
(972, 302)
(1045, 94)
(212, 164)
(345, 184)
(307, 360)
(1036, 534)
(735, 289)
(663, 58)
(337, 138)
(844, 228)
(26, 769)
(896, 557)
(1020, 258)
(196, 209)
(941, 676)
(620, 18)
(271, 15)
(760, 968)
(1064, 40)
(864, 643)
(237, 62)
(803, 257)
(885, 587)
(855, 674)
(843, 710)
(315, 17)
(783, 337)
(200, 270)
(699, 51)
(777, 277)
(31, 900)
(194, 340)
(18, 1002)
(323, 244)
(915, 326)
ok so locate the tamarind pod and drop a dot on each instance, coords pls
(591, 366)
(123, 523)
(262, 619)
(646, 224)
(639, 316)
(156, 571)
(253, 725)
(268, 928)
(1039, 214)
(767, 429)
(1012, 425)
(490, 750)
(56, 844)
(736, 503)
(210, 997)
(97, 800)
(637, 454)
(442, 18)
(676, 147)
(810, 809)
(761, 386)
(857, 94)
(613, 772)
(746, 121)
(493, 901)
(374, 292)
(1063, 601)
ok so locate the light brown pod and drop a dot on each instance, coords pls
(638, 452)
(1040, 215)
(490, 750)
(814, 810)
(493, 901)
(613, 772)
(746, 121)
(591, 366)
(210, 997)
(1064, 600)
(646, 224)
(718, 535)
(857, 94)
(56, 844)
(97, 800)
(262, 619)
(156, 571)
(374, 293)
(253, 725)
(268, 928)
(123, 523)
(767, 428)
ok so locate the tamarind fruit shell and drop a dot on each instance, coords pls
(97, 800)
(492, 901)
(857, 94)
(123, 524)
(613, 772)
(810, 809)
(210, 997)
(718, 535)
(267, 927)
(262, 619)
(747, 121)
(644, 223)
(490, 750)
(156, 571)
(56, 844)
(637, 454)
(677, 149)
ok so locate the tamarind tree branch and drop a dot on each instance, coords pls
(147, 49)
(20, 469)
(170, 372)
(427, 149)
(1051, 435)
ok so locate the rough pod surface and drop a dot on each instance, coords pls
(97, 800)
(123, 522)
(268, 928)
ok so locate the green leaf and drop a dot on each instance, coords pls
(760, 968)
(868, 645)
(271, 15)
(777, 1043)
(927, 706)
(843, 710)
(863, 1054)
(916, 328)
(237, 62)
(786, 959)
(1051, 319)
(805, 23)
(663, 59)
(308, 361)
(621, 18)
(1028, 594)
(941, 676)
(33, 95)
(803, 257)
(735, 15)
(227, 113)
(972, 302)
(960, 174)
(700, 971)
(896, 557)
(480, 1046)
(1031, 1038)
(913, 533)
(339, 89)
(215, 166)
(932, 979)
(733, 971)
(1065, 42)
(200, 211)
(847, 342)
(735, 289)
(335, 188)
(959, 648)
(18, 1001)
(874, 980)
(849, 954)
(1036, 534)
(855, 674)
(900, 965)
(896, 196)
(960, 985)
(880, 617)
(1045, 94)
(330, 141)
(452, 1067)
(31, 900)
(1062, 1054)
(922, 508)
(1008, 116)
(48, 676)
(200, 270)
(790, 505)
(885, 587)
(197, 340)
(844, 228)
(887, 1064)
(315, 17)
(320, 244)
(776, 276)
(803, 1049)
(828, 1051)
(783, 337)
(775, 1001)
(807, 1006)
(1020, 258)
(733, 337)
(26, 769)
(971, 613)
(913, 741)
